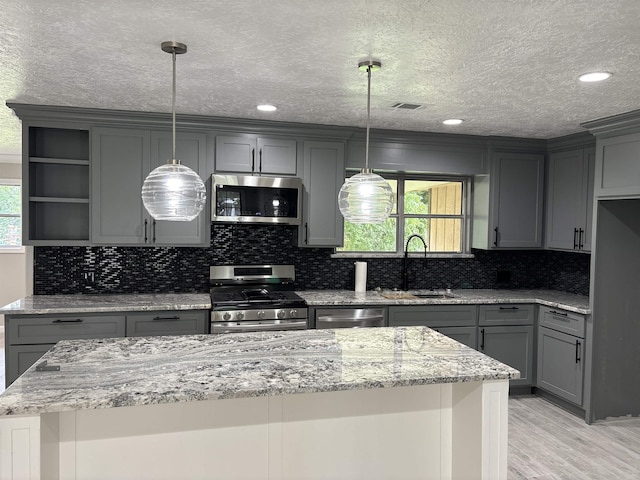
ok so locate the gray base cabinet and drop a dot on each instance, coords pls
(167, 323)
(561, 351)
(28, 337)
(455, 321)
(505, 332)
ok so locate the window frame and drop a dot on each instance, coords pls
(13, 248)
(400, 215)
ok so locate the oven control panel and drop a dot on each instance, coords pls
(259, 314)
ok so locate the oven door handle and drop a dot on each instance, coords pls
(258, 326)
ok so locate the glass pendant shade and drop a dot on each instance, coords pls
(173, 192)
(365, 198)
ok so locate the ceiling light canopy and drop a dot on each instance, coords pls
(173, 191)
(366, 197)
(267, 108)
(453, 121)
(594, 76)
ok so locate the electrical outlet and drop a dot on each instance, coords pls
(89, 278)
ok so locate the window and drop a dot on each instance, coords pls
(433, 207)
(10, 217)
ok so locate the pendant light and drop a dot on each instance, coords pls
(173, 191)
(366, 197)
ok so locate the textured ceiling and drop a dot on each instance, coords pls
(506, 67)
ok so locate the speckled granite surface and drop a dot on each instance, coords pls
(150, 370)
(551, 298)
(43, 304)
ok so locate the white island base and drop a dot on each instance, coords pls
(436, 431)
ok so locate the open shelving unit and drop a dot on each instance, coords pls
(57, 193)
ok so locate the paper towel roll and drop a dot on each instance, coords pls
(361, 276)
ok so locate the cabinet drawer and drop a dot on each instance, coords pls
(433, 315)
(167, 323)
(562, 321)
(51, 329)
(506, 314)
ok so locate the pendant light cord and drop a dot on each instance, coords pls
(173, 110)
(366, 153)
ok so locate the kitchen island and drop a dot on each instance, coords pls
(401, 402)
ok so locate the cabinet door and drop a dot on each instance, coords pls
(560, 364)
(167, 323)
(20, 357)
(590, 167)
(512, 346)
(120, 161)
(517, 200)
(276, 156)
(191, 151)
(322, 224)
(235, 154)
(465, 335)
(565, 199)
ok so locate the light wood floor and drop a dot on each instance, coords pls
(547, 443)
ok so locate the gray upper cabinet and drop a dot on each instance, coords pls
(508, 203)
(617, 170)
(121, 160)
(56, 185)
(255, 155)
(322, 223)
(570, 199)
(191, 151)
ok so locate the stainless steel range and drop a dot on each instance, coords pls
(254, 298)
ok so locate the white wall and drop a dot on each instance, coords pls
(16, 269)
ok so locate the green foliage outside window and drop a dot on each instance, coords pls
(10, 220)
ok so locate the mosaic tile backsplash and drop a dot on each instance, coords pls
(60, 270)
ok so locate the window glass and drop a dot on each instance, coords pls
(431, 208)
(10, 218)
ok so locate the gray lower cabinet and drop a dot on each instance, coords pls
(505, 332)
(455, 321)
(167, 323)
(561, 351)
(121, 159)
(28, 337)
(323, 175)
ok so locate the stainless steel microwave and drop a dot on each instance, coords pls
(256, 199)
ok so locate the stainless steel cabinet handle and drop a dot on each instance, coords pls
(580, 244)
(578, 351)
(77, 320)
(175, 317)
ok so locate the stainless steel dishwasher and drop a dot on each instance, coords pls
(350, 317)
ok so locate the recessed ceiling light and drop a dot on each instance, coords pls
(267, 108)
(594, 76)
(453, 121)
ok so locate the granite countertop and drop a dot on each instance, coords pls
(550, 298)
(54, 304)
(150, 370)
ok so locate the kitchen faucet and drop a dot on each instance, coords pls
(405, 263)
